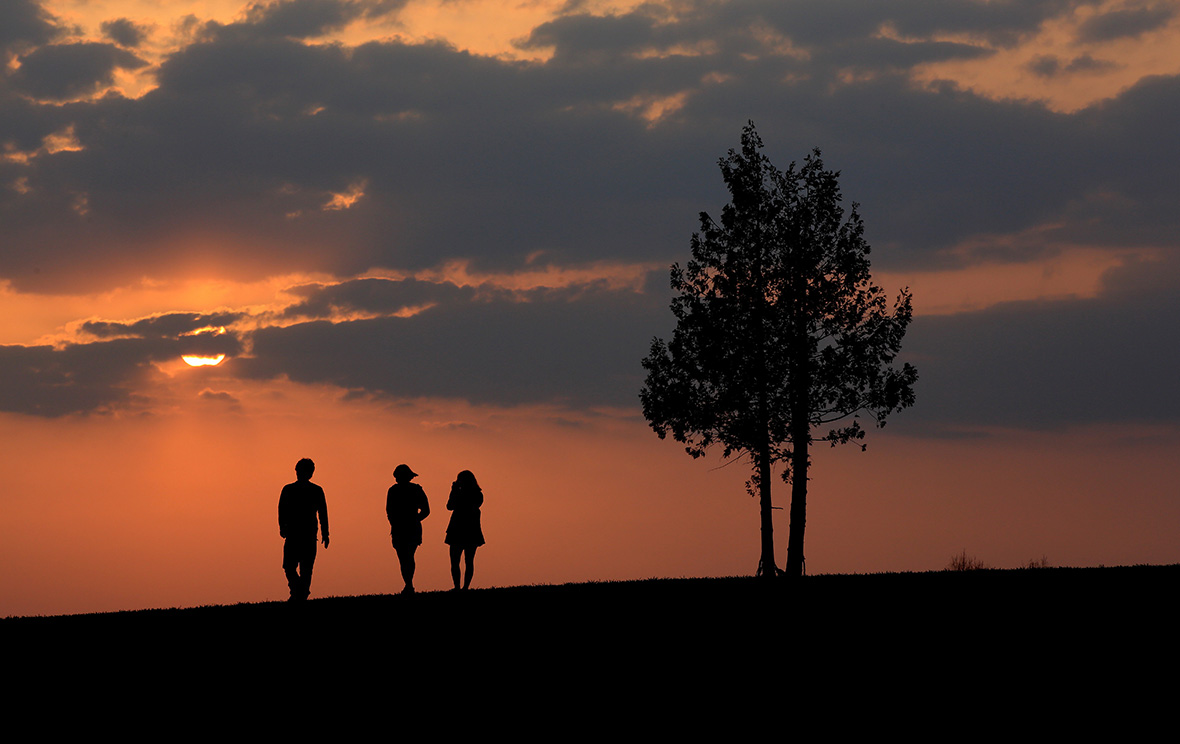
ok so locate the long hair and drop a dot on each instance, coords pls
(466, 479)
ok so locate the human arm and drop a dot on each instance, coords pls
(322, 509)
(282, 515)
(424, 507)
(389, 507)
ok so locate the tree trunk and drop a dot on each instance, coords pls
(766, 567)
(795, 561)
(800, 443)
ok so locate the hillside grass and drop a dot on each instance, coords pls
(666, 650)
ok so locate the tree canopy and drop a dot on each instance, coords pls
(780, 332)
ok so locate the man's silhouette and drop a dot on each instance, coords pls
(300, 504)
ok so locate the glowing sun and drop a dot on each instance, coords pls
(202, 361)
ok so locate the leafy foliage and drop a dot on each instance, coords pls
(776, 313)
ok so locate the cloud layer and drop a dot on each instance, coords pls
(266, 148)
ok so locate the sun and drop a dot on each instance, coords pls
(204, 360)
(193, 360)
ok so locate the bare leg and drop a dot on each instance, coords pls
(469, 555)
(405, 556)
(456, 551)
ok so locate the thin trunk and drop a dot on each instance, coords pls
(766, 567)
(795, 560)
(800, 442)
(800, 430)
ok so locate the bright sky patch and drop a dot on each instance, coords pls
(203, 361)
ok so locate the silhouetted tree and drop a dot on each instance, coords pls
(779, 331)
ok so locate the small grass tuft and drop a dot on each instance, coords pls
(1042, 562)
(964, 562)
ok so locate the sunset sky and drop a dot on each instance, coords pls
(438, 232)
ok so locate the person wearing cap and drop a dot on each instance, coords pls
(406, 506)
(303, 512)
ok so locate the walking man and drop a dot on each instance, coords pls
(300, 505)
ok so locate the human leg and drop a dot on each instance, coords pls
(290, 568)
(306, 564)
(456, 551)
(298, 560)
(469, 557)
(405, 557)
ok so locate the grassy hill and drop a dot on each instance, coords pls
(659, 653)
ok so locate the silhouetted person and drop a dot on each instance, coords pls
(406, 507)
(464, 533)
(301, 504)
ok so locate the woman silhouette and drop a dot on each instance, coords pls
(464, 533)
(406, 506)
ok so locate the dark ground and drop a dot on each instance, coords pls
(926, 655)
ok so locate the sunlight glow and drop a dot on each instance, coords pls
(63, 140)
(615, 276)
(203, 361)
(1058, 65)
(652, 108)
(346, 199)
(210, 330)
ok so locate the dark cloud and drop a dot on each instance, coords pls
(377, 296)
(887, 54)
(1130, 22)
(226, 153)
(1049, 65)
(1087, 63)
(838, 34)
(1126, 198)
(1034, 365)
(172, 325)
(1046, 365)
(104, 375)
(251, 132)
(821, 23)
(572, 348)
(231, 164)
(176, 334)
(1051, 365)
(589, 38)
(61, 71)
(25, 22)
(124, 32)
(1045, 65)
(576, 347)
(81, 378)
(302, 19)
(221, 397)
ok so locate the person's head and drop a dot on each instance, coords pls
(304, 468)
(403, 474)
(466, 479)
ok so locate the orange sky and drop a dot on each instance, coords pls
(168, 496)
(179, 508)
